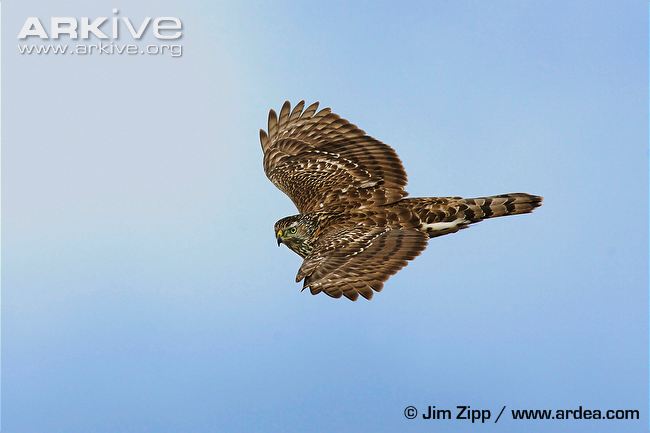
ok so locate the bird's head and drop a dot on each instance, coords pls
(296, 233)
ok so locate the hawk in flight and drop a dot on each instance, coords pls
(356, 227)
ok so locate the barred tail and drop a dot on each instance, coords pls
(441, 216)
(500, 205)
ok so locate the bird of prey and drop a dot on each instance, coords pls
(356, 227)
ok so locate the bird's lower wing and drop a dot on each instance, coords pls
(357, 260)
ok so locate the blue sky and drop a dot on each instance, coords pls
(142, 289)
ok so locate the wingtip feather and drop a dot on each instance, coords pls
(264, 140)
(273, 123)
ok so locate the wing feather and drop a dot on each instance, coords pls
(273, 124)
(357, 260)
(284, 114)
(297, 111)
(321, 160)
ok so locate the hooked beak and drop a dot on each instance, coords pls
(278, 237)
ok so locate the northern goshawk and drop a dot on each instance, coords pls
(356, 228)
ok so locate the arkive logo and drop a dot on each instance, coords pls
(162, 28)
(114, 35)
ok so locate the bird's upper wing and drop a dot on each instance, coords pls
(323, 161)
(357, 259)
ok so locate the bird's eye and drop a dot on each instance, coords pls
(291, 230)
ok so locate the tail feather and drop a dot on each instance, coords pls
(441, 216)
(500, 205)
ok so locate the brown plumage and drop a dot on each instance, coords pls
(356, 228)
